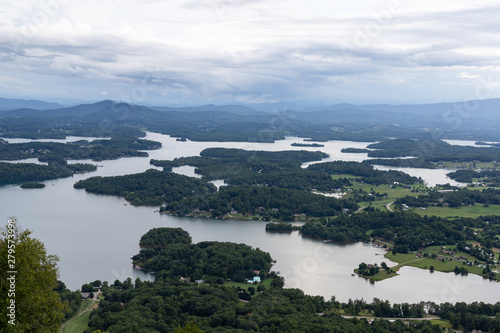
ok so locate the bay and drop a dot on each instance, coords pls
(95, 235)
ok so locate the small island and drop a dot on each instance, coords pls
(33, 185)
(298, 144)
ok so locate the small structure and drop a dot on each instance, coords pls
(256, 279)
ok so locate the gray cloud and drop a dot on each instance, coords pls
(263, 50)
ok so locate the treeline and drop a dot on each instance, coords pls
(71, 300)
(279, 227)
(164, 236)
(269, 203)
(430, 150)
(81, 167)
(164, 305)
(409, 231)
(466, 176)
(367, 172)
(33, 185)
(151, 187)
(30, 172)
(474, 316)
(96, 150)
(301, 144)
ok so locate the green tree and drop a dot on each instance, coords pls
(38, 307)
(189, 328)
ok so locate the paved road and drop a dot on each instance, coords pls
(94, 300)
(390, 319)
(389, 206)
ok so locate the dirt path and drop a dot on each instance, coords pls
(94, 300)
(388, 206)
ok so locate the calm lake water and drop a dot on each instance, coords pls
(96, 235)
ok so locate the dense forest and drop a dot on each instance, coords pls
(367, 172)
(33, 185)
(164, 236)
(179, 258)
(409, 231)
(279, 227)
(96, 150)
(426, 152)
(30, 172)
(267, 203)
(489, 177)
(172, 300)
(272, 169)
(164, 305)
(151, 187)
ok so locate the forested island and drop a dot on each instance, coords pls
(171, 253)
(30, 172)
(301, 144)
(425, 153)
(150, 188)
(33, 185)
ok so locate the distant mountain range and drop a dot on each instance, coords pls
(465, 117)
(12, 104)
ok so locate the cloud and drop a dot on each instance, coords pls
(229, 50)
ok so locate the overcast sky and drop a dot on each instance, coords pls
(250, 51)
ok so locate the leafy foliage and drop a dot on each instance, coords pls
(412, 230)
(164, 236)
(30, 172)
(79, 150)
(38, 307)
(367, 172)
(264, 201)
(151, 187)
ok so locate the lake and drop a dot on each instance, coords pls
(95, 235)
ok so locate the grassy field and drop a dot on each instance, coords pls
(78, 325)
(392, 194)
(345, 176)
(466, 211)
(242, 285)
(441, 322)
(425, 263)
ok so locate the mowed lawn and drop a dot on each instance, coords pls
(425, 263)
(79, 324)
(392, 194)
(466, 211)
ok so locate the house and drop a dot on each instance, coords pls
(256, 279)
(199, 281)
